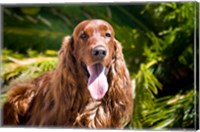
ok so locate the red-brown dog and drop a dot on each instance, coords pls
(90, 87)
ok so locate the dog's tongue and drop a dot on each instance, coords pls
(97, 83)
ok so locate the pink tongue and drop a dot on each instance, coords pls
(97, 83)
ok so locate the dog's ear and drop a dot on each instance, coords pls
(64, 81)
(119, 72)
(119, 65)
(120, 88)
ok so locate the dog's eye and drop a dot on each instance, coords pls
(108, 35)
(83, 36)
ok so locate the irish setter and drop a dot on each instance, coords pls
(90, 87)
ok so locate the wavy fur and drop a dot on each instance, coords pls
(61, 97)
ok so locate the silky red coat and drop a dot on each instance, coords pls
(64, 97)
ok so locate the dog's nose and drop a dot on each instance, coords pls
(99, 52)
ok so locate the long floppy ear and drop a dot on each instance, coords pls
(120, 88)
(66, 69)
(64, 84)
(119, 70)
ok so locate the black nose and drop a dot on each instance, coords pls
(99, 52)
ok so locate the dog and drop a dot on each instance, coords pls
(89, 88)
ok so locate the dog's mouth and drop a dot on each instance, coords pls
(97, 80)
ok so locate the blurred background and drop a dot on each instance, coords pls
(159, 44)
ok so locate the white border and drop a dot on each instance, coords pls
(86, 1)
(77, 130)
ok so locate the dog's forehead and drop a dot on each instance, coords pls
(94, 24)
(97, 23)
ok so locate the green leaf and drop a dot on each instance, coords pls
(163, 124)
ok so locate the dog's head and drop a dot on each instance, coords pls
(94, 46)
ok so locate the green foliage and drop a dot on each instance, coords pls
(15, 70)
(158, 46)
(174, 111)
(147, 84)
(28, 68)
(171, 45)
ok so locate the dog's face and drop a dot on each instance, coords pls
(94, 47)
(93, 42)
